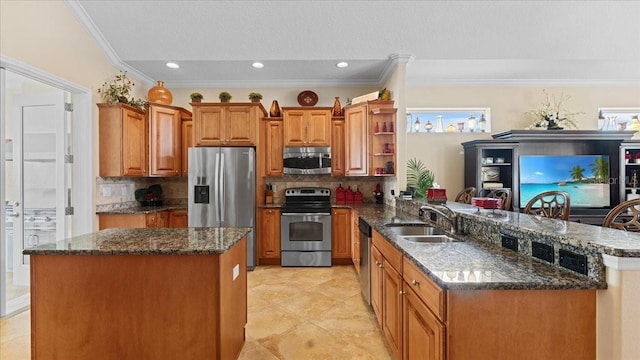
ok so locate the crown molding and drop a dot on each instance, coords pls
(92, 29)
(271, 83)
(42, 76)
(522, 82)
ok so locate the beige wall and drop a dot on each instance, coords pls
(442, 153)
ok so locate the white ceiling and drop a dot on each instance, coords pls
(445, 42)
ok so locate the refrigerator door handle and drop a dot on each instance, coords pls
(216, 185)
(221, 195)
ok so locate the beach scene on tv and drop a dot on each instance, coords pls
(584, 177)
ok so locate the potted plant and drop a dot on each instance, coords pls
(224, 97)
(419, 177)
(196, 97)
(255, 97)
(118, 90)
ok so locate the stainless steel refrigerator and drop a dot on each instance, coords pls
(222, 190)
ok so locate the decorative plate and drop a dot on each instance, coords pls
(307, 98)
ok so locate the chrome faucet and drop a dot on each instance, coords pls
(448, 214)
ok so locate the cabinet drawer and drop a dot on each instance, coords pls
(393, 256)
(425, 288)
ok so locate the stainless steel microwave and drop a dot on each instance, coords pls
(307, 160)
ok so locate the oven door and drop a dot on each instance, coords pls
(305, 232)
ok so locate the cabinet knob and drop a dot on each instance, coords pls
(415, 282)
(401, 293)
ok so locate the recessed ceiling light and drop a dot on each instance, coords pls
(342, 64)
(257, 65)
(172, 65)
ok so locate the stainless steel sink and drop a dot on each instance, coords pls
(414, 229)
(430, 239)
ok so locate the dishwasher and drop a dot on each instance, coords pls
(365, 256)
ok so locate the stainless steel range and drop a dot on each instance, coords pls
(306, 227)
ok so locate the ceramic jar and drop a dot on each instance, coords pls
(275, 109)
(337, 108)
(160, 94)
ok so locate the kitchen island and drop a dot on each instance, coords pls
(140, 294)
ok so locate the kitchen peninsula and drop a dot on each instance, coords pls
(140, 294)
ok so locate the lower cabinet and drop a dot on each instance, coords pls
(269, 237)
(178, 218)
(341, 235)
(423, 334)
(158, 219)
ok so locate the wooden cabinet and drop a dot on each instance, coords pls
(341, 234)
(355, 240)
(226, 124)
(178, 218)
(376, 262)
(355, 140)
(187, 142)
(307, 127)
(158, 219)
(423, 334)
(370, 139)
(337, 147)
(272, 146)
(269, 242)
(165, 150)
(122, 141)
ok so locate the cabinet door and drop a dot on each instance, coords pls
(376, 263)
(134, 143)
(422, 333)
(164, 141)
(108, 221)
(341, 234)
(208, 125)
(270, 234)
(337, 148)
(392, 307)
(187, 142)
(273, 147)
(178, 219)
(355, 139)
(318, 128)
(294, 128)
(240, 126)
(162, 219)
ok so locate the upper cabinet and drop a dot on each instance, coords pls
(370, 139)
(272, 146)
(187, 142)
(135, 143)
(123, 141)
(226, 124)
(165, 140)
(307, 126)
(337, 147)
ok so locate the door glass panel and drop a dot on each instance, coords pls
(305, 231)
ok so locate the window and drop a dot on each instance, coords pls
(448, 120)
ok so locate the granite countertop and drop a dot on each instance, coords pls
(141, 210)
(473, 264)
(159, 241)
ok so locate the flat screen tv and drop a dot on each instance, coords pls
(584, 177)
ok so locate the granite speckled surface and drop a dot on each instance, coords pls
(473, 264)
(159, 241)
(140, 210)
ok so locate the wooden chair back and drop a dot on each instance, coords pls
(625, 216)
(465, 195)
(500, 193)
(551, 204)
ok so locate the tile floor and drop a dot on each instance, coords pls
(293, 313)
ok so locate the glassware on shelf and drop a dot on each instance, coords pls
(451, 128)
(391, 129)
(610, 124)
(428, 126)
(633, 182)
(377, 128)
(439, 124)
(384, 126)
(460, 126)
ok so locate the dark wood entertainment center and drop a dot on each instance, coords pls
(499, 157)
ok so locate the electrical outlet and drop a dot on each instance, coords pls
(106, 191)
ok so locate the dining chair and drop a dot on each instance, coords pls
(500, 193)
(465, 195)
(625, 216)
(551, 204)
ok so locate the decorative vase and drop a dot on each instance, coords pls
(160, 94)
(275, 109)
(439, 124)
(337, 108)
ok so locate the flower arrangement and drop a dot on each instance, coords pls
(118, 90)
(552, 114)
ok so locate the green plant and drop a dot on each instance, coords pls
(224, 96)
(419, 177)
(118, 90)
(196, 96)
(255, 96)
